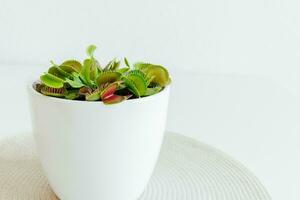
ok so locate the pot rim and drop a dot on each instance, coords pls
(61, 100)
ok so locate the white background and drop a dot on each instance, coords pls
(235, 67)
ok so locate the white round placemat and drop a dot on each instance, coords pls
(186, 170)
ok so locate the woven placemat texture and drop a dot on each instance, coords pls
(186, 170)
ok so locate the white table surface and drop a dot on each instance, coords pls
(252, 119)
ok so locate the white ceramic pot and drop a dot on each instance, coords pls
(93, 151)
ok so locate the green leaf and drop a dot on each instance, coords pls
(140, 65)
(108, 65)
(131, 86)
(72, 94)
(85, 73)
(52, 62)
(112, 65)
(94, 72)
(90, 50)
(52, 81)
(68, 68)
(115, 65)
(55, 92)
(140, 84)
(89, 72)
(108, 77)
(158, 74)
(94, 96)
(139, 80)
(123, 70)
(126, 62)
(152, 91)
(75, 83)
(97, 64)
(58, 72)
(76, 65)
(138, 73)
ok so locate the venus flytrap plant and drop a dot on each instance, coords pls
(88, 81)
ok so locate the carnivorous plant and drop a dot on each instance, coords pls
(110, 84)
